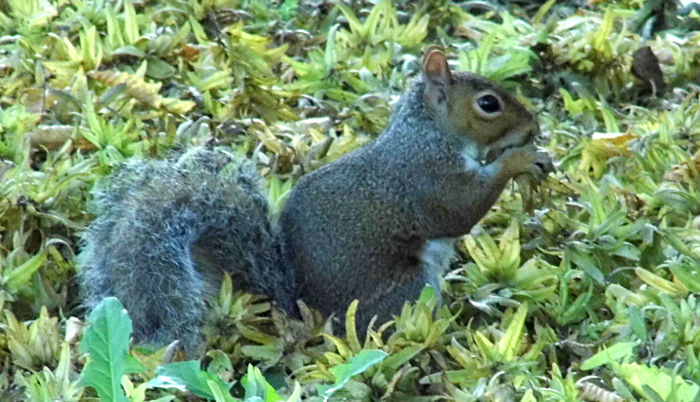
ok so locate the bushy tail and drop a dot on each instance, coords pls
(165, 232)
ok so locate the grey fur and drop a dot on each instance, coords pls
(356, 228)
(166, 230)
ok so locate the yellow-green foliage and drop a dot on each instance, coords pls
(601, 283)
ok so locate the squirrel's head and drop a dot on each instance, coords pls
(475, 108)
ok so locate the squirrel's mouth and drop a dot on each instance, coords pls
(512, 139)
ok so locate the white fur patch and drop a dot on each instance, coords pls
(471, 151)
(473, 159)
(438, 253)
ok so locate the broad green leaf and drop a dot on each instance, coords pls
(356, 365)
(106, 340)
(188, 376)
(614, 353)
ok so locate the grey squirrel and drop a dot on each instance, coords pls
(374, 225)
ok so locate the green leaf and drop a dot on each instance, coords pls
(396, 360)
(131, 27)
(355, 24)
(129, 50)
(586, 263)
(159, 69)
(21, 275)
(256, 385)
(611, 125)
(677, 243)
(330, 56)
(188, 376)
(637, 322)
(222, 394)
(288, 9)
(509, 344)
(268, 353)
(427, 296)
(106, 340)
(612, 354)
(653, 383)
(357, 365)
(351, 327)
(688, 275)
(542, 11)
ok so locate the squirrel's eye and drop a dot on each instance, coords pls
(489, 105)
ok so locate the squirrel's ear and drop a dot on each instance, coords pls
(435, 67)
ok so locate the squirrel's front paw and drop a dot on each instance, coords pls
(527, 159)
